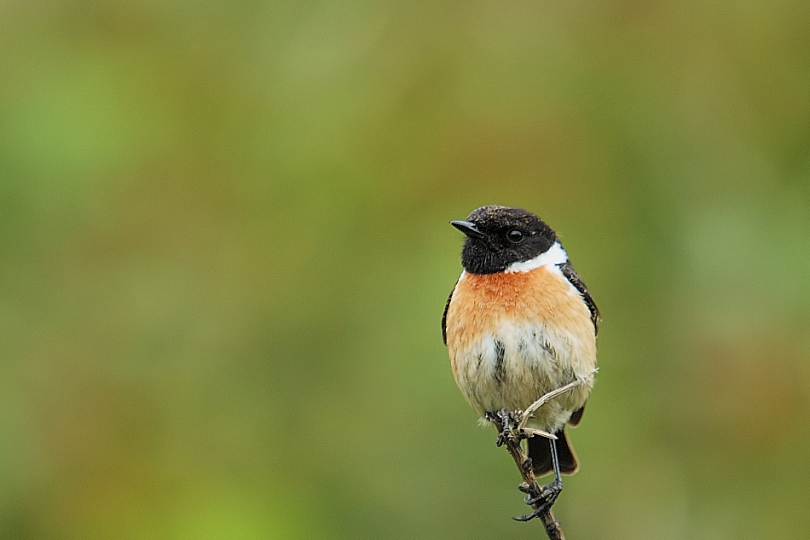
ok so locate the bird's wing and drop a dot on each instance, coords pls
(576, 416)
(572, 276)
(444, 315)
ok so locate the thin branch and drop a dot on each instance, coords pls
(512, 430)
(533, 489)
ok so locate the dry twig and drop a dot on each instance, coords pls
(512, 430)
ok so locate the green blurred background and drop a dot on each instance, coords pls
(224, 254)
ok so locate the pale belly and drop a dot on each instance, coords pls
(518, 364)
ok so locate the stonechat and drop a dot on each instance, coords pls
(520, 323)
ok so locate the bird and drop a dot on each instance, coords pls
(520, 323)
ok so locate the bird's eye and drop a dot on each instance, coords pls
(515, 236)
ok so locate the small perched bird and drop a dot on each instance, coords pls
(520, 323)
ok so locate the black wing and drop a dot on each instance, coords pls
(572, 276)
(444, 315)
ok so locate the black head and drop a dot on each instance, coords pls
(498, 236)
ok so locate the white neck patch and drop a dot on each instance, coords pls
(554, 255)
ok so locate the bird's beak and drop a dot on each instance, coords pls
(468, 228)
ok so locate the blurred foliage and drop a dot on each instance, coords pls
(225, 253)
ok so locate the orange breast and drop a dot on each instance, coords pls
(481, 303)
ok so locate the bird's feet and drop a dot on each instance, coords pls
(541, 501)
(511, 426)
(506, 422)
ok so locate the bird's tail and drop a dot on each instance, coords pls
(540, 452)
